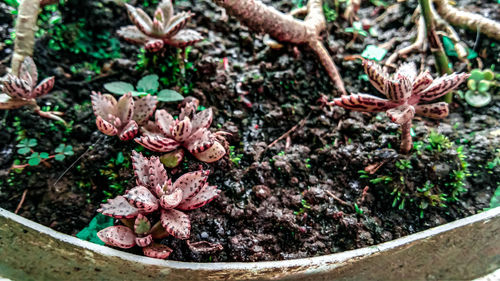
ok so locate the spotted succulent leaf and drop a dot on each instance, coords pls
(443, 85)
(191, 183)
(142, 225)
(157, 251)
(437, 110)
(118, 208)
(184, 38)
(144, 108)
(176, 223)
(118, 236)
(206, 194)
(401, 114)
(362, 102)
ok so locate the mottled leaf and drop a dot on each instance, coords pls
(144, 108)
(191, 183)
(144, 241)
(181, 130)
(164, 121)
(142, 198)
(157, 143)
(443, 85)
(118, 208)
(401, 114)
(437, 110)
(118, 236)
(375, 74)
(157, 251)
(202, 119)
(206, 194)
(129, 131)
(362, 102)
(176, 223)
(29, 72)
(106, 127)
(170, 201)
(133, 35)
(140, 19)
(185, 37)
(212, 154)
(177, 23)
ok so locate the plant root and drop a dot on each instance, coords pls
(417, 46)
(284, 28)
(470, 21)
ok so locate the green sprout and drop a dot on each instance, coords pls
(480, 85)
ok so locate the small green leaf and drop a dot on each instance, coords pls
(32, 142)
(60, 148)
(148, 84)
(44, 155)
(488, 74)
(169, 96)
(119, 158)
(477, 99)
(138, 93)
(476, 75)
(59, 157)
(34, 159)
(471, 84)
(119, 88)
(373, 52)
(483, 86)
(68, 150)
(24, 150)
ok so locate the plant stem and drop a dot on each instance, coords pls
(435, 44)
(25, 33)
(406, 141)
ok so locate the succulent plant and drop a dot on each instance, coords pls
(405, 90)
(23, 90)
(140, 234)
(190, 131)
(480, 84)
(164, 29)
(156, 192)
(122, 117)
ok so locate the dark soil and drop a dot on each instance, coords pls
(304, 196)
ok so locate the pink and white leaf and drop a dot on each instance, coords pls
(401, 114)
(44, 87)
(443, 85)
(171, 200)
(29, 72)
(144, 108)
(129, 131)
(157, 143)
(157, 173)
(142, 198)
(144, 241)
(422, 81)
(103, 105)
(16, 87)
(157, 251)
(191, 183)
(176, 223)
(118, 236)
(167, 8)
(176, 23)
(398, 90)
(375, 74)
(106, 127)
(203, 197)
(204, 247)
(181, 130)
(437, 110)
(408, 70)
(185, 37)
(214, 153)
(202, 119)
(133, 35)
(140, 19)
(125, 108)
(363, 102)
(164, 121)
(154, 45)
(118, 208)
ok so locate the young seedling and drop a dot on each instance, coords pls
(22, 90)
(155, 192)
(479, 86)
(141, 234)
(404, 91)
(122, 117)
(27, 147)
(164, 28)
(190, 131)
(148, 84)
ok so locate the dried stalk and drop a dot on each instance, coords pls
(435, 44)
(471, 21)
(25, 33)
(284, 28)
(406, 141)
(418, 45)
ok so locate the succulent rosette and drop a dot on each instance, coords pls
(156, 192)
(190, 131)
(164, 28)
(404, 91)
(122, 117)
